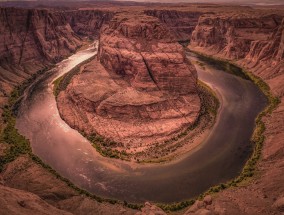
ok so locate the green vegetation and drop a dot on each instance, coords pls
(176, 206)
(18, 145)
(103, 146)
(258, 137)
(62, 82)
(208, 112)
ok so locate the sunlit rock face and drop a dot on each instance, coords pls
(140, 90)
(254, 40)
(142, 50)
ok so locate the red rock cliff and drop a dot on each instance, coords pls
(143, 51)
(255, 42)
(181, 23)
(31, 39)
(142, 91)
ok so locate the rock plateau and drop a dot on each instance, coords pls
(144, 90)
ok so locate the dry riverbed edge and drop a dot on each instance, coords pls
(258, 134)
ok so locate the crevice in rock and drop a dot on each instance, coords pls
(150, 72)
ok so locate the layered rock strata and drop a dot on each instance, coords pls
(257, 44)
(141, 90)
(181, 23)
(30, 40)
(33, 39)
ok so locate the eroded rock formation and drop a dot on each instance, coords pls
(32, 39)
(145, 90)
(88, 22)
(256, 43)
(181, 23)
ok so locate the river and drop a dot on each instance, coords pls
(219, 157)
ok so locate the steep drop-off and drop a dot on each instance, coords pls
(256, 43)
(181, 23)
(30, 40)
(33, 39)
(88, 22)
(143, 92)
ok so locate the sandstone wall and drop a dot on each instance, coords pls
(255, 42)
(145, 53)
(181, 23)
(141, 90)
(32, 39)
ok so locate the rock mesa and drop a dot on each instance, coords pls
(140, 90)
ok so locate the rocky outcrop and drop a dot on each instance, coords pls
(181, 23)
(32, 39)
(88, 22)
(143, 51)
(150, 209)
(254, 42)
(15, 201)
(202, 207)
(232, 34)
(31, 189)
(145, 90)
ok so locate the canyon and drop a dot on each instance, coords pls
(149, 90)
(34, 39)
(146, 70)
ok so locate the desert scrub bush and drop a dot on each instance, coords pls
(258, 137)
(176, 206)
(63, 81)
(17, 144)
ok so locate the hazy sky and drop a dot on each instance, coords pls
(265, 2)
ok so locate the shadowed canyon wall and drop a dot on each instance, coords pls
(32, 39)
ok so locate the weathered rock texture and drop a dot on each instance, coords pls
(27, 188)
(88, 22)
(181, 23)
(257, 44)
(32, 39)
(145, 91)
(15, 201)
